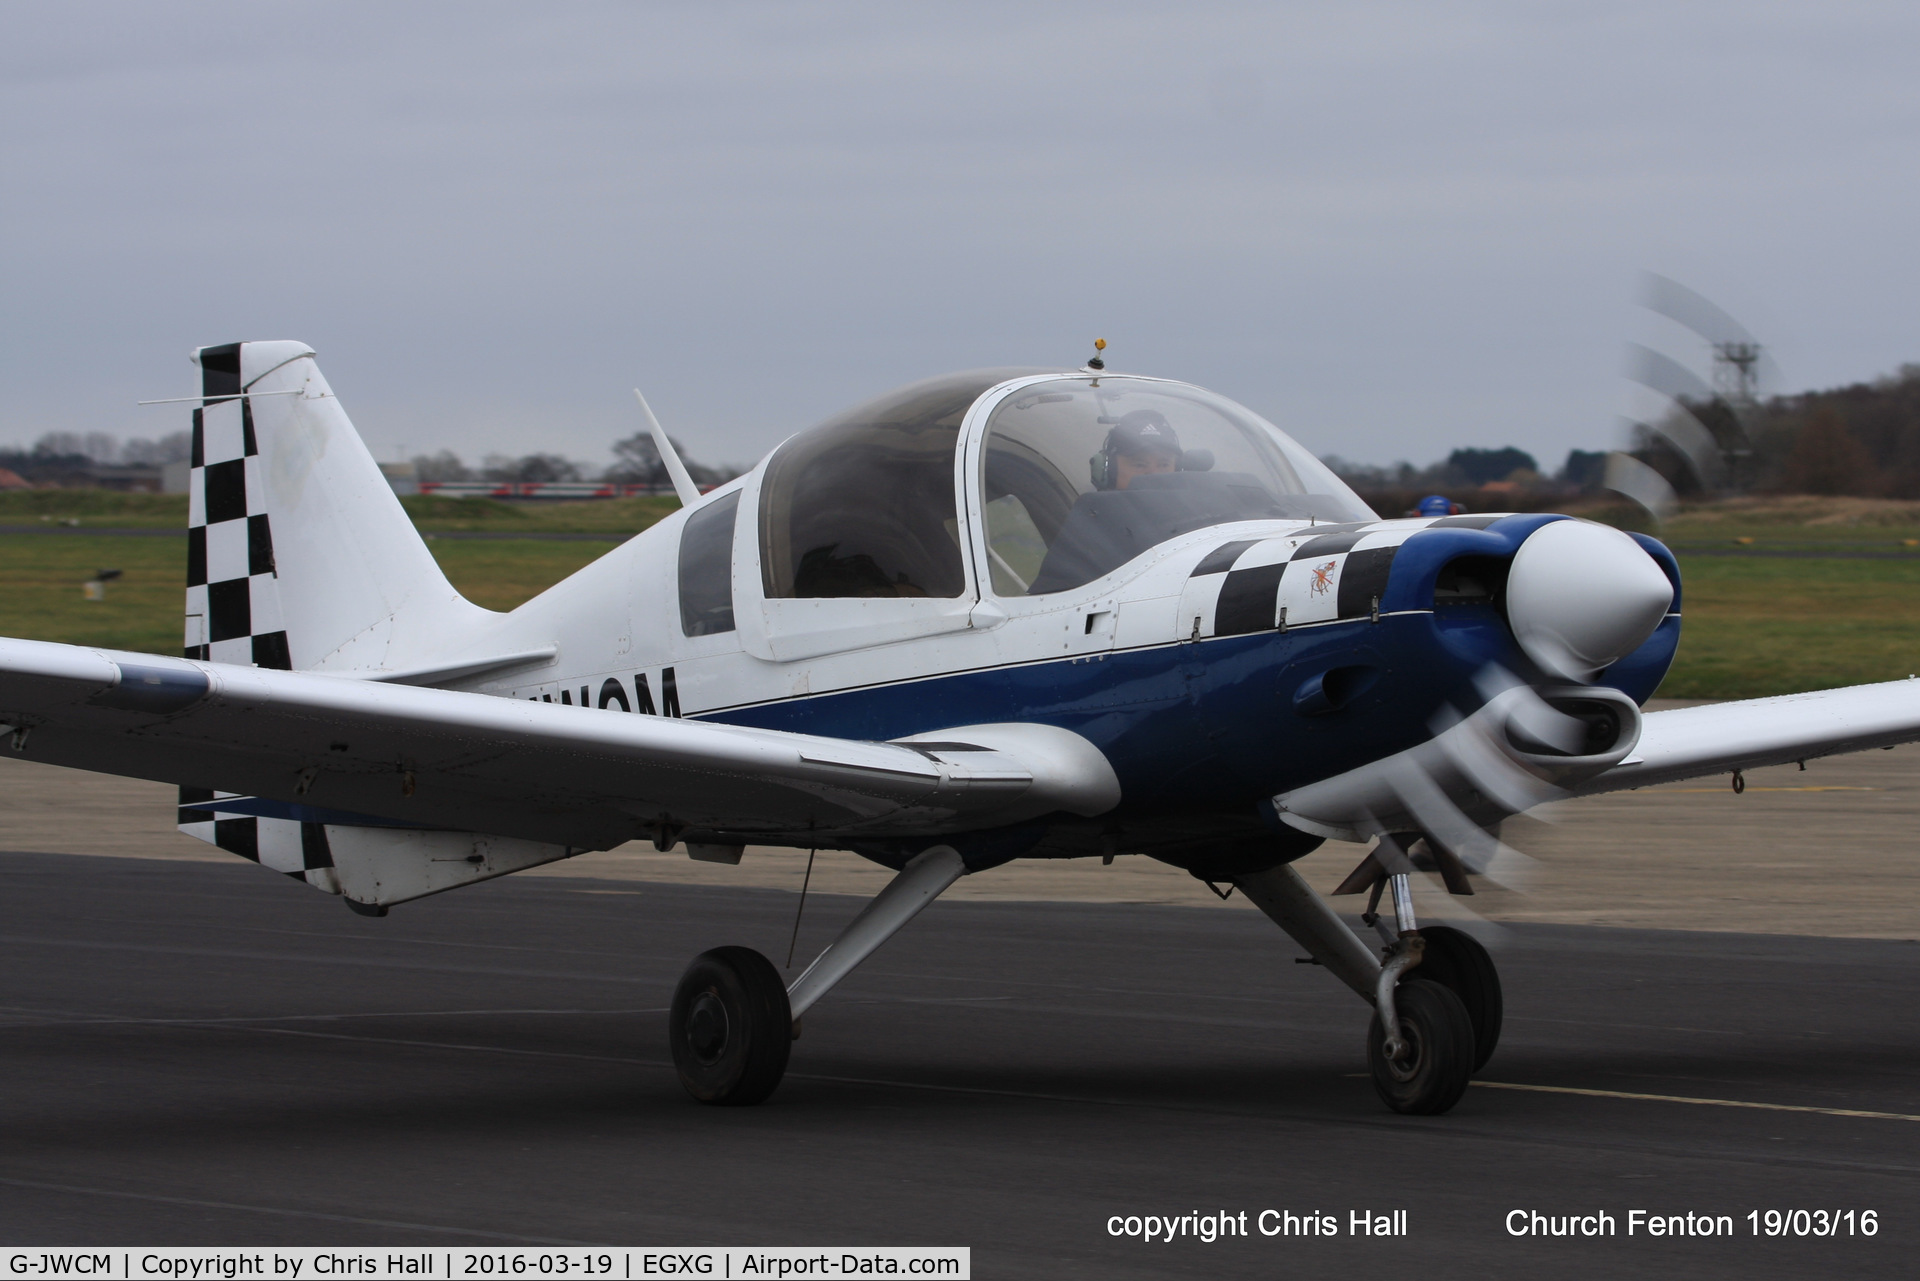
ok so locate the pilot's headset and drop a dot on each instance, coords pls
(1142, 431)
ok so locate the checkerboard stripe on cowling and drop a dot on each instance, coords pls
(1321, 574)
(233, 596)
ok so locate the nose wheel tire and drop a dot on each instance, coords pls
(730, 1027)
(1437, 1055)
(1455, 960)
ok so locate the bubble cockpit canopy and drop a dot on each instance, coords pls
(1080, 474)
(862, 505)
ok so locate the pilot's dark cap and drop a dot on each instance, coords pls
(1143, 431)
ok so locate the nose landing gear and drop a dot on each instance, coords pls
(1436, 998)
(1456, 961)
(1421, 1044)
(1433, 1057)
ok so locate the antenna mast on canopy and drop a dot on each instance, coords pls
(682, 482)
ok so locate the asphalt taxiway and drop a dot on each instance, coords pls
(200, 1053)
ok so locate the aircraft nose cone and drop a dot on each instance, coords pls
(1581, 597)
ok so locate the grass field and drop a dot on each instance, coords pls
(40, 596)
(102, 509)
(41, 576)
(1755, 625)
(501, 574)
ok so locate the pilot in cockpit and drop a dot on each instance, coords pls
(1141, 443)
(1167, 460)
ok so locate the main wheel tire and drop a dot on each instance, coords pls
(1455, 960)
(730, 1027)
(1431, 1075)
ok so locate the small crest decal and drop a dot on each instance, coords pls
(1323, 578)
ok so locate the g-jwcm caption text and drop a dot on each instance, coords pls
(760, 1263)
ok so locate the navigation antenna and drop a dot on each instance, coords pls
(683, 486)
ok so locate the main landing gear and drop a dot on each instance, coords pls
(1435, 992)
(733, 1022)
(731, 1027)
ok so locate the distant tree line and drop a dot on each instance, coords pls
(76, 459)
(636, 461)
(1504, 479)
(1861, 440)
(73, 458)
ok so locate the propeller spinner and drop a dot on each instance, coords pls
(1581, 597)
(1578, 597)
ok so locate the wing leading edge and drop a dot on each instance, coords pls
(1691, 741)
(536, 771)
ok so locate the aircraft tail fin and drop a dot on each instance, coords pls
(299, 555)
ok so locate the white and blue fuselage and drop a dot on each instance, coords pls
(1220, 636)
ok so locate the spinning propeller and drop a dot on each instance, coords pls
(1579, 597)
(1706, 426)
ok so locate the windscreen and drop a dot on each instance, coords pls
(1083, 474)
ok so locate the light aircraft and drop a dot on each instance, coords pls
(1001, 614)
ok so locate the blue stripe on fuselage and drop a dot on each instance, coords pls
(1212, 724)
(1206, 724)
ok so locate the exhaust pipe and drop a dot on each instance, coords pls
(1523, 748)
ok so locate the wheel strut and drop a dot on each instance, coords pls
(733, 1021)
(1422, 1045)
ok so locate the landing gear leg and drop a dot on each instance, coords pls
(733, 1021)
(1421, 1043)
(916, 885)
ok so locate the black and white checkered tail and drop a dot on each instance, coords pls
(298, 557)
(233, 592)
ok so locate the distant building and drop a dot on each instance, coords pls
(404, 477)
(125, 479)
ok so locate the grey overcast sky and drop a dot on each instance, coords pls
(1392, 228)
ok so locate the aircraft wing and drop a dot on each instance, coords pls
(1691, 741)
(336, 748)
